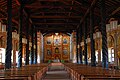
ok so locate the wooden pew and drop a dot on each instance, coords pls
(28, 72)
(83, 72)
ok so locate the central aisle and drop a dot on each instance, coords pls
(56, 72)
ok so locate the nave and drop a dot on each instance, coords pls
(59, 71)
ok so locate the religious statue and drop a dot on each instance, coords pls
(56, 50)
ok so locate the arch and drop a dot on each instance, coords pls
(110, 41)
(118, 45)
(111, 45)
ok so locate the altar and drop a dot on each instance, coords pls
(57, 47)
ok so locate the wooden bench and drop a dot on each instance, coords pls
(28, 72)
(83, 72)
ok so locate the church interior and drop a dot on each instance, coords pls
(59, 39)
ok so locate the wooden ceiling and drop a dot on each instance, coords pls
(58, 15)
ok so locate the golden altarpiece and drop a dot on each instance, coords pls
(56, 45)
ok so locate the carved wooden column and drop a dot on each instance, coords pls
(85, 44)
(32, 48)
(20, 35)
(77, 40)
(27, 45)
(93, 57)
(9, 36)
(104, 35)
(35, 47)
(80, 50)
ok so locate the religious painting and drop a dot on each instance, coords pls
(56, 50)
(65, 41)
(56, 40)
(65, 51)
(49, 40)
(49, 52)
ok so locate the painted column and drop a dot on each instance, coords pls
(9, 36)
(93, 57)
(104, 35)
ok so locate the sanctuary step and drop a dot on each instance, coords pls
(56, 71)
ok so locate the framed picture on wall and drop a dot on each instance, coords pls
(49, 51)
(65, 51)
(65, 41)
(49, 41)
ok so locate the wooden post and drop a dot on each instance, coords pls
(93, 57)
(104, 35)
(20, 35)
(85, 44)
(77, 40)
(80, 49)
(27, 45)
(35, 46)
(9, 36)
(32, 48)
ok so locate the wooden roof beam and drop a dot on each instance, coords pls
(88, 10)
(18, 3)
(60, 17)
(47, 6)
(115, 11)
(53, 0)
(56, 23)
(13, 20)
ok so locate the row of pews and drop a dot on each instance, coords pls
(85, 72)
(27, 72)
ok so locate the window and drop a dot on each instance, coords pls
(110, 55)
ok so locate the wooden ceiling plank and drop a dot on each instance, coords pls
(17, 2)
(115, 11)
(60, 17)
(88, 10)
(48, 0)
(48, 6)
(56, 23)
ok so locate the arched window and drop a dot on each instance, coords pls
(111, 55)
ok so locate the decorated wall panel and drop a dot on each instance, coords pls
(56, 45)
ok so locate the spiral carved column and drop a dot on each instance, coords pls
(9, 36)
(35, 47)
(32, 48)
(85, 44)
(27, 45)
(20, 35)
(93, 57)
(80, 49)
(77, 40)
(104, 35)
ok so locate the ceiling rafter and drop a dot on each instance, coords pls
(115, 11)
(55, 23)
(67, 17)
(88, 10)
